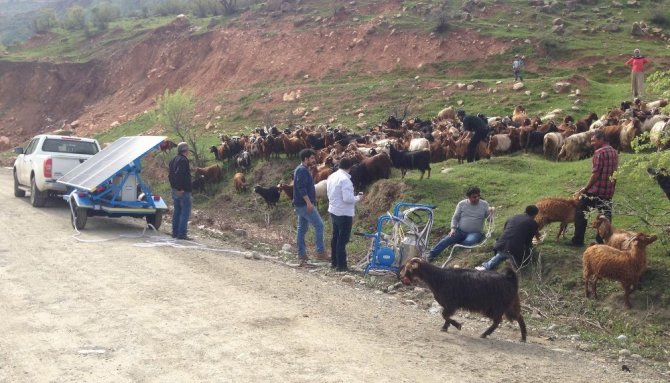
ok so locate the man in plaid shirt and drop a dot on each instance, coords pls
(600, 189)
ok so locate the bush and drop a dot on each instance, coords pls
(442, 24)
(171, 7)
(660, 19)
(552, 46)
(75, 18)
(104, 14)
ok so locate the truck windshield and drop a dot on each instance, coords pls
(69, 146)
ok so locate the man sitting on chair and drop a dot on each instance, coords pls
(516, 242)
(466, 224)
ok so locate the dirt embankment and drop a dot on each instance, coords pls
(38, 96)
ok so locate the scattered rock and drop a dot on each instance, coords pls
(624, 352)
(622, 338)
(558, 29)
(518, 86)
(636, 30)
(470, 87)
(348, 279)
(562, 87)
(527, 93)
(461, 86)
(544, 95)
(286, 247)
(557, 21)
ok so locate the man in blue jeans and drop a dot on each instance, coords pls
(466, 223)
(304, 201)
(180, 182)
(516, 242)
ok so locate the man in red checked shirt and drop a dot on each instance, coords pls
(600, 189)
(637, 63)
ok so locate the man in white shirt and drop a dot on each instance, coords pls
(341, 202)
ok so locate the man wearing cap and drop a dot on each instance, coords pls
(180, 182)
(636, 64)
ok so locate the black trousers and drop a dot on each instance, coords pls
(338, 244)
(586, 203)
(472, 146)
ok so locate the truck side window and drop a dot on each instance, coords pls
(31, 146)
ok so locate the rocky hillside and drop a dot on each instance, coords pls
(308, 46)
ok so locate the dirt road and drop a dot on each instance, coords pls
(117, 312)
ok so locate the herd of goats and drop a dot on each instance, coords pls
(413, 144)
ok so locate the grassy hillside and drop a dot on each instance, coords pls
(592, 58)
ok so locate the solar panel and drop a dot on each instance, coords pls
(109, 161)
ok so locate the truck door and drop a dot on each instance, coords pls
(25, 165)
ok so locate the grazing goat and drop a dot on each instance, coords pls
(556, 209)
(602, 261)
(270, 194)
(662, 177)
(490, 293)
(240, 182)
(287, 189)
(552, 144)
(212, 174)
(243, 161)
(370, 170)
(410, 160)
(617, 238)
(199, 184)
(167, 145)
(321, 189)
(576, 147)
(659, 135)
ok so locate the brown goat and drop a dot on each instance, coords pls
(602, 261)
(240, 182)
(212, 174)
(287, 189)
(617, 238)
(556, 209)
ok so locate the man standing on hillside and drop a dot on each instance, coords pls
(599, 191)
(517, 67)
(304, 202)
(341, 203)
(637, 64)
(478, 130)
(180, 182)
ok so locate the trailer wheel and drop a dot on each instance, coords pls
(155, 220)
(18, 192)
(79, 215)
(37, 198)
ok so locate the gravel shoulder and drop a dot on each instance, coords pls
(125, 310)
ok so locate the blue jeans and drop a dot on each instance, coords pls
(460, 237)
(181, 213)
(496, 260)
(338, 244)
(304, 219)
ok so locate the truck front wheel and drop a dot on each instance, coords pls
(37, 198)
(155, 220)
(79, 215)
(17, 191)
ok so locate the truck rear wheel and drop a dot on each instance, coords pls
(17, 191)
(37, 198)
(79, 215)
(155, 220)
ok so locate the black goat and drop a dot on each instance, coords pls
(663, 178)
(243, 160)
(405, 161)
(490, 293)
(535, 139)
(270, 194)
(199, 183)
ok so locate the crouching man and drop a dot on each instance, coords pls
(516, 241)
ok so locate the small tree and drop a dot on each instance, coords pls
(75, 18)
(104, 14)
(175, 114)
(45, 20)
(229, 6)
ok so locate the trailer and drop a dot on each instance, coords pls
(109, 184)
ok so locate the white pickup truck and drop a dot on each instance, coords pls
(45, 160)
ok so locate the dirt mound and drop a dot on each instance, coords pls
(380, 199)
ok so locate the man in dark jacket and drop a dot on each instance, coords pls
(304, 202)
(180, 182)
(516, 241)
(478, 129)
